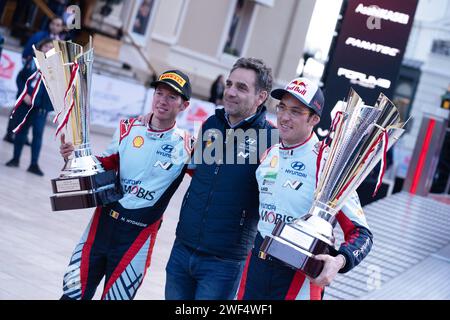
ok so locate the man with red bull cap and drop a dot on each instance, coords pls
(150, 158)
(287, 179)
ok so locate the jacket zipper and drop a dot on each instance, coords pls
(242, 218)
(216, 171)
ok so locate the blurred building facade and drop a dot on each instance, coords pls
(426, 50)
(201, 37)
(424, 80)
(204, 38)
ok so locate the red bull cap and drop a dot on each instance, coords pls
(306, 91)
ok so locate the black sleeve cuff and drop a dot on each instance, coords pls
(349, 259)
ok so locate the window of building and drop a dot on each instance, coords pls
(406, 88)
(141, 18)
(239, 27)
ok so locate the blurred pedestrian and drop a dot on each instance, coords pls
(216, 92)
(31, 111)
(57, 7)
(142, 17)
(55, 31)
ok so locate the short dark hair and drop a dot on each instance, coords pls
(263, 72)
(57, 18)
(43, 42)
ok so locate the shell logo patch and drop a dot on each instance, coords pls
(360, 213)
(138, 142)
(274, 161)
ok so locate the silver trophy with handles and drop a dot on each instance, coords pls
(66, 72)
(361, 136)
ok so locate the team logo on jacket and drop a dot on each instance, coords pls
(165, 165)
(317, 147)
(286, 153)
(138, 141)
(211, 136)
(268, 214)
(249, 145)
(250, 141)
(292, 184)
(139, 192)
(274, 161)
(297, 168)
(166, 150)
(297, 86)
(270, 175)
(243, 154)
(265, 190)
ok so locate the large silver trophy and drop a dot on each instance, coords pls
(66, 72)
(362, 136)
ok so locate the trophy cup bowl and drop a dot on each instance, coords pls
(66, 72)
(362, 136)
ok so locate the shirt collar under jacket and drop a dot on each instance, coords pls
(227, 117)
(255, 119)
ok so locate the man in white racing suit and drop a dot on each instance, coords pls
(150, 159)
(287, 178)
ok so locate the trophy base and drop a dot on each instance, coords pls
(84, 192)
(82, 183)
(83, 201)
(291, 253)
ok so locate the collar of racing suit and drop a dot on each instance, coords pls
(289, 151)
(154, 133)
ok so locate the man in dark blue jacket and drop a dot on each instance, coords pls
(55, 32)
(219, 213)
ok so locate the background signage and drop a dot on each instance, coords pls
(368, 52)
